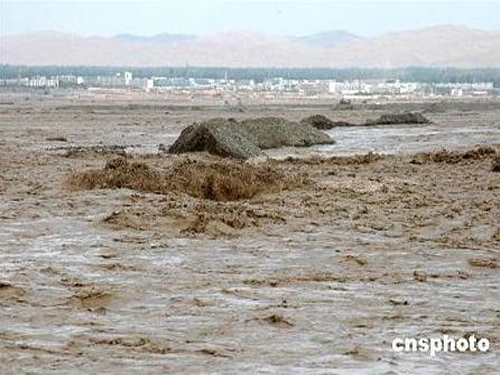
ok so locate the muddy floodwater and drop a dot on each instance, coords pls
(315, 271)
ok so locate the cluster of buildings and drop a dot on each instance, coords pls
(71, 81)
(356, 89)
(395, 87)
(347, 89)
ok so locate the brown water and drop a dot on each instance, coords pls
(367, 253)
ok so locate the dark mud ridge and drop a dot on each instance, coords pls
(324, 123)
(400, 118)
(246, 139)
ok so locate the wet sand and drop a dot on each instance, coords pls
(315, 277)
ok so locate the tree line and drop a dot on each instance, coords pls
(413, 74)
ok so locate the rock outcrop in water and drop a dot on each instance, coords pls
(246, 139)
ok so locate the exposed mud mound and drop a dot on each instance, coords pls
(454, 157)
(219, 137)
(246, 139)
(318, 121)
(400, 118)
(219, 180)
(276, 132)
(323, 123)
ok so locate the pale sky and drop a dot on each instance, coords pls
(275, 17)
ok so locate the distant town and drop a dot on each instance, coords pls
(267, 88)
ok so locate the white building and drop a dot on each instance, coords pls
(150, 84)
(128, 78)
(42, 81)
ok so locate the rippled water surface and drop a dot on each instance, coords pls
(307, 294)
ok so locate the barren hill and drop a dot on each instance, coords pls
(455, 46)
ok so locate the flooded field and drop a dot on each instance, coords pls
(315, 271)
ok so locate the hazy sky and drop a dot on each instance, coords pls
(278, 17)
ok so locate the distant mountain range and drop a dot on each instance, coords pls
(329, 39)
(440, 46)
(159, 38)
